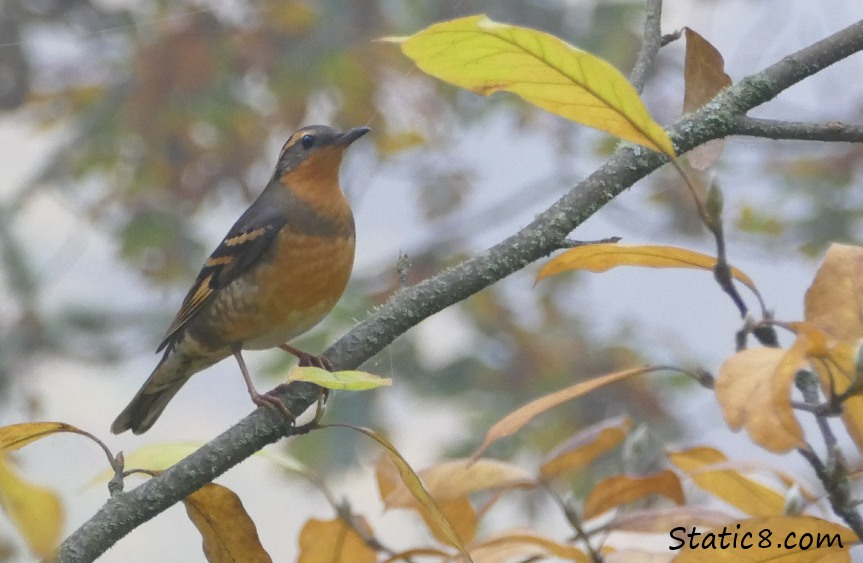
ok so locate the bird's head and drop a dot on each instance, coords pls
(315, 153)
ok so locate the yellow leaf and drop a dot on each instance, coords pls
(35, 510)
(801, 539)
(703, 76)
(228, 533)
(749, 496)
(459, 512)
(412, 481)
(17, 436)
(838, 373)
(455, 479)
(485, 56)
(603, 257)
(456, 509)
(387, 477)
(333, 541)
(517, 419)
(524, 545)
(586, 446)
(834, 303)
(340, 380)
(621, 489)
(754, 390)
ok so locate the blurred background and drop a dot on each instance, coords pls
(132, 134)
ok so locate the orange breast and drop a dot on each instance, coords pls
(291, 292)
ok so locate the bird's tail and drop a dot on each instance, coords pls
(147, 405)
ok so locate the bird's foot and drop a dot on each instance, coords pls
(309, 360)
(271, 401)
(320, 409)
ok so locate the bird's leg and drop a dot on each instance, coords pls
(307, 359)
(265, 400)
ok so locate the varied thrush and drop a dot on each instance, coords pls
(280, 269)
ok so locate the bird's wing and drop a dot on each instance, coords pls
(243, 246)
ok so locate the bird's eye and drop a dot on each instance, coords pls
(307, 141)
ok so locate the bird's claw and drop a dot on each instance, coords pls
(271, 401)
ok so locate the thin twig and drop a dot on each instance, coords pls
(651, 41)
(834, 131)
(574, 520)
(833, 473)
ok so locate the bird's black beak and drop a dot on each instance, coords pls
(351, 135)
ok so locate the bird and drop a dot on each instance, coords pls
(277, 273)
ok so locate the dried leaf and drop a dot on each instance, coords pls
(603, 257)
(458, 512)
(517, 419)
(703, 76)
(586, 446)
(754, 389)
(455, 479)
(228, 533)
(801, 539)
(456, 509)
(34, 510)
(749, 496)
(333, 541)
(484, 56)
(412, 481)
(523, 545)
(621, 489)
(834, 303)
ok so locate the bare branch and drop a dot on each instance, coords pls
(834, 131)
(650, 43)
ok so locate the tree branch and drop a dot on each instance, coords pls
(407, 307)
(650, 43)
(833, 131)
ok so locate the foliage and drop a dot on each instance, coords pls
(766, 390)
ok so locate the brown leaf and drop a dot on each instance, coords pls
(754, 390)
(517, 419)
(585, 446)
(333, 541)
(749, 496)
(621, 489)
(228, 533)
(703, 76)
